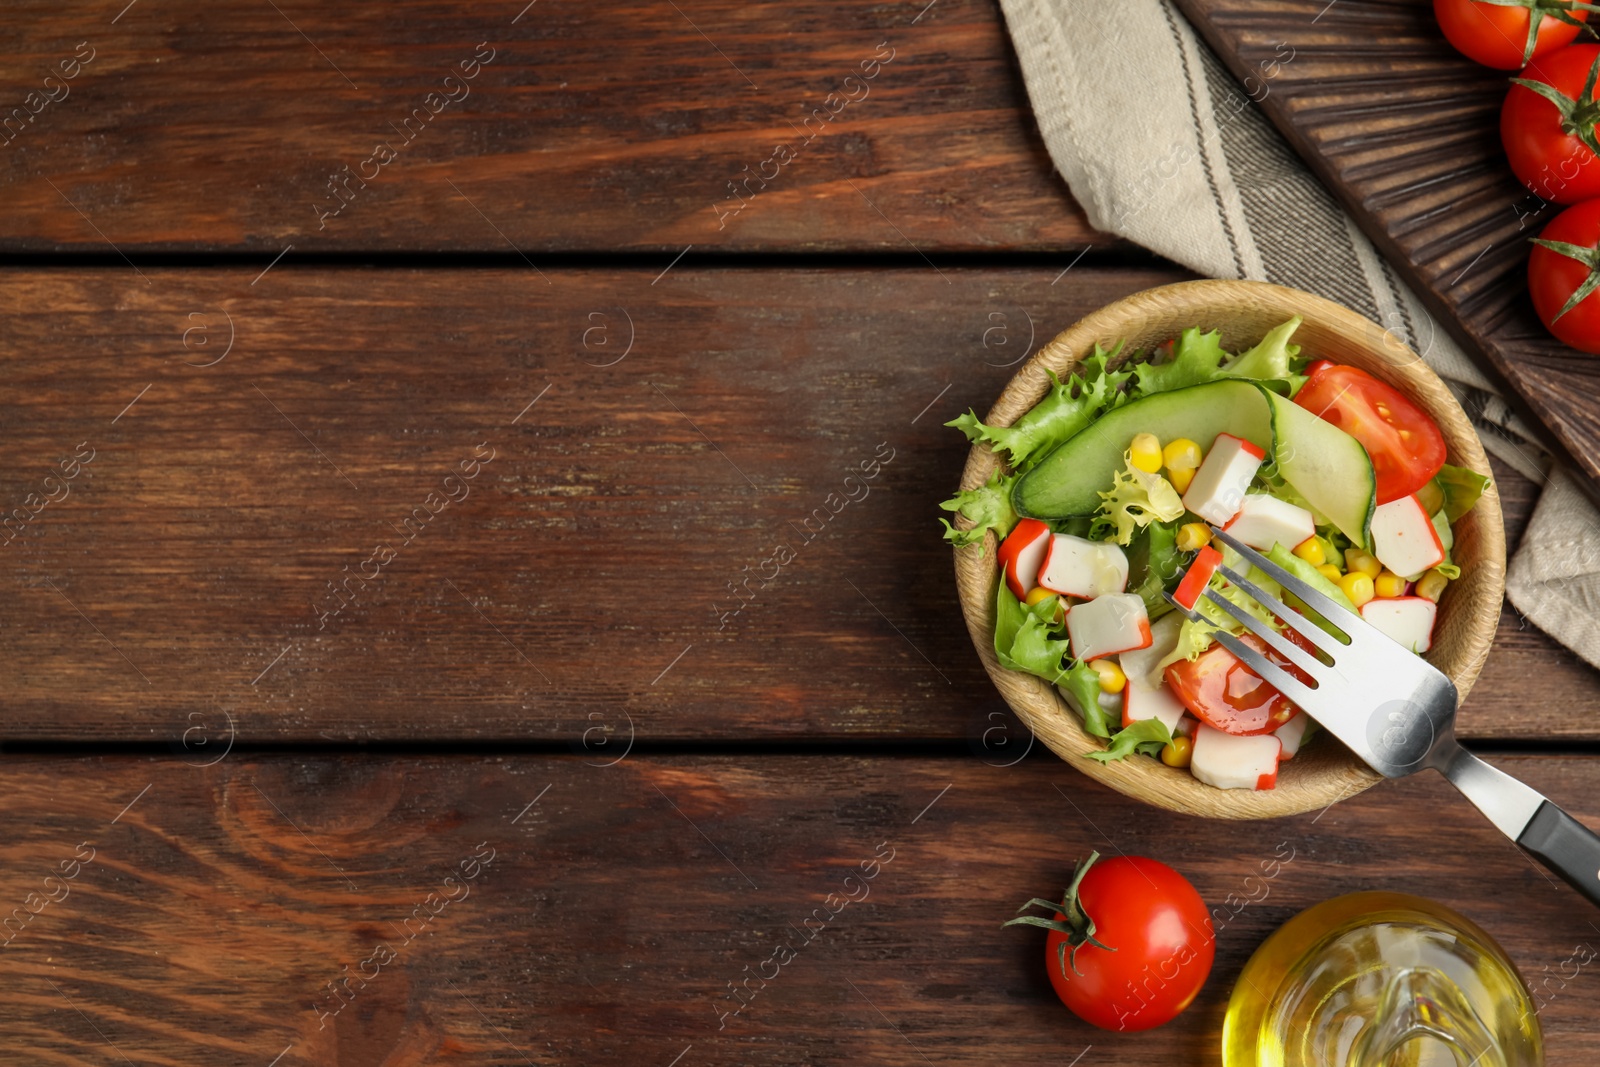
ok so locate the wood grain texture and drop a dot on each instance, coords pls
(589, 127)
(598, 565)
(1405, 131)
(583, 585)
(620, 902)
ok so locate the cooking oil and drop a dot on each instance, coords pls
(1380, 980)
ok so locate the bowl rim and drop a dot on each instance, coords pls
(1325, 774)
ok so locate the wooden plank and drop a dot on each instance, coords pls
(591, 575)
(583, 127)
(1405, 131)
(618, 903)
(1525, 659)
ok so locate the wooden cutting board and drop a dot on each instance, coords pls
(1405, 131)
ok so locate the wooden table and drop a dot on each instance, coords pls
(388, 525)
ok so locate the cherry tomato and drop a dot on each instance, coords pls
(1549, 134)
(1226, 695)
(1496, 35)
(1405, 446)
(1554, 275)
(1131, 943)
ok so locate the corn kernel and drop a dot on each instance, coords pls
(1357, 585)
(1330, 572)
(1431, 585)
(1356, 559)
(1389, 584)
(1038, 594)
(1311, 551)
(1180, 479)
(1177, 752)
(1181, 454)
(1112, 680)
(1145, 452)
(1193, 536)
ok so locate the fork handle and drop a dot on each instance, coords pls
(1566, 846)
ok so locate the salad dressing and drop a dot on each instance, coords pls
(1380, 980)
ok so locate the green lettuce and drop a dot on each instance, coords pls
(1101, 382)
(1196, 357)
(1028, 639)
(1271, 359)
(1219, 618)
(1310, 575)
(988, 507)
(1070, 405)
(1447, 537)
(1148, 736)
(1153, 562)
(1137, 498)
(1082, 683)
(1038, 650)
(1462, 488)
(1194, 635)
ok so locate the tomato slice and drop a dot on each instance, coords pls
(1406, 447)
(1228, 696)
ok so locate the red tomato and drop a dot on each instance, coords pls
(1406, 448)
(1226, 695)
(1553, 277)
(1497, 35)
(1545, 140)
(1144, 943)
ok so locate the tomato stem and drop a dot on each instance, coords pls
(1589, 257)
(1075, 923)
(1578, 116)
(1539, 10)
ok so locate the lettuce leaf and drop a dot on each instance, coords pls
(1194, 637)
(1462, 488)
(1153, 562)
(1447, 537)
(1037, 651)
(1270, 358)
(1069, 406)
(988, 507)
(1219, 618)
(1081, 684)
(1137, 498)
(1008, 615)
(1196, 357)
(1026, 638)
(1308, 574)
(1095, 387)
(1147, 735)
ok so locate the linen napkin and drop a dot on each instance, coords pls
(1163, 146)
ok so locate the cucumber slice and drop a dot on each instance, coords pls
(1070, 479)
(1325, 465)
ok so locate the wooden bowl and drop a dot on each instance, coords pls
(1324, 772)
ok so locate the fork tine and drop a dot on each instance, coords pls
(1302, 695)
(1294, 620)
(1313, 598)
(1285, 648)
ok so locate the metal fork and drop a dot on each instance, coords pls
(1394, 710)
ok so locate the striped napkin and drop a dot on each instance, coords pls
(1162, 146)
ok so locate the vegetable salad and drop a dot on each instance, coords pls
(1113, 484)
